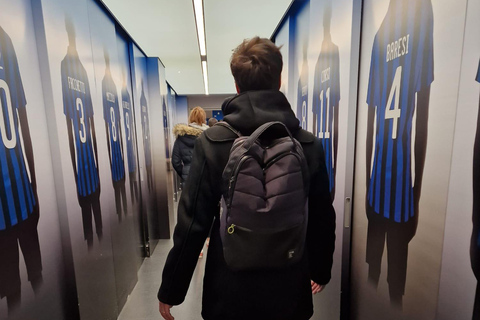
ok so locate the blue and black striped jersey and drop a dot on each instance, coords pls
(111, 114)
(17, 200)
(129, 130)
(326, 96)
(165, 128)
(77, 103)
(146, 130)
(302, 96)
(478, 72)
(401, 66)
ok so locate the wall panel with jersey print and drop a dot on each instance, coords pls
(159, 133)
(282, 39)
(459, 293)
(409, 73)
(131, 141)
(111, 140)
(82, 169)
(299, 24)
(32, 274)
(142, 110)
(317, 37)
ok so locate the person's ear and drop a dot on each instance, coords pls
(238, 89)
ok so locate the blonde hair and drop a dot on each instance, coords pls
(198, 116)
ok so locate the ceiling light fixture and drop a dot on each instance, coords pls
(205, 76)
(200, 24)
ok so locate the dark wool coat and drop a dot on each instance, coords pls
(263, 295)
(183, 148)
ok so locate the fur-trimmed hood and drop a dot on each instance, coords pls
(193, 129)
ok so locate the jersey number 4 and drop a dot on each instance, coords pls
(394, 113)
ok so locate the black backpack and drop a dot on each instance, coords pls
(264, 215)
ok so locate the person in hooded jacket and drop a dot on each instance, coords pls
(185, 140)
(284, 294)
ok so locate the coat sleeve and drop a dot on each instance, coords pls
(196, 211)
(321, 222)
(176, 158)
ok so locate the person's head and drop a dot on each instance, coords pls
(327, 17)
(70, 31)
(106, 56)
(198, 116)
(212, 121)
(256, 64)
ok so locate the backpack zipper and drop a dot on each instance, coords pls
(280, 156)
(233, 179)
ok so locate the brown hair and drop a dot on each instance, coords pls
(256, 64)
(212, 121)
(198, 116)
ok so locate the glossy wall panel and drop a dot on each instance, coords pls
(409, 73)
(459, 297)
(32, 261)
(316, 37)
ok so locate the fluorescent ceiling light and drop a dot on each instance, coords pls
(205, 76)
(199, 20)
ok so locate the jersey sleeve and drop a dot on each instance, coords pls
(316, 88)
(478, 72)
(373, 85)
(299, 96)
(425, 65)
(20, 93)
(88, 97)
(105, 102)
(67, 105)
(336, 79)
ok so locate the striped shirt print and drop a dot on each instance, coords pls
(129, 130)
(326, 97)
(111, 115)
(165, 129)
(401, 65)
(146, 129)
(17, 200)
(77, 103)
(478, 73)
(302, 96)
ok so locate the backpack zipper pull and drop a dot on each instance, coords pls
(231, 229)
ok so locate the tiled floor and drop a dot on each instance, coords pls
(143, 304)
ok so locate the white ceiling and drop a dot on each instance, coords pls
(166, 29)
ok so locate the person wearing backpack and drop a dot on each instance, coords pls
(272, 241)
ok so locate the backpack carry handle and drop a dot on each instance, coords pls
(261, 130)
